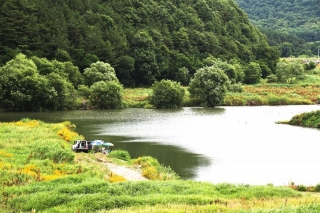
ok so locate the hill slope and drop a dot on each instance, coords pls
(143, 40)
(289, 16)
(292, 26)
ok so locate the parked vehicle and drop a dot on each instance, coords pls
(82, 145)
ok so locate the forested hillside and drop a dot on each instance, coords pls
(144, 40)
(294, 25)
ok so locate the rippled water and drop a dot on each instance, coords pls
(225, 144)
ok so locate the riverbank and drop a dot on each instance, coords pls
(307, 119)
(252, 95)
(40, 173)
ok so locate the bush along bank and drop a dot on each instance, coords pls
(307, 119)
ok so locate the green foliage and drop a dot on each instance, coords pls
(310, 65)
(143, 40)
(62, 195)
(272, 78)
(228, 69)
(167, 94)
(235, 87)
(53, 153)
(120, 154)
(124, 70)
(302, 188)
(22, 87)
(143, 52)
(253, 73)
(292, 26)
(308, 119)
(84, 91)
(99, 71)
(209, 84)
(106, 95)
(153, 170)
(289, 71)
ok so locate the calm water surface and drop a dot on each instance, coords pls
(225, 144)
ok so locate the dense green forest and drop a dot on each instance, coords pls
(291, 25)
(142, 40)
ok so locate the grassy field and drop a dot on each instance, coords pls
(252, 95)
(40, 173)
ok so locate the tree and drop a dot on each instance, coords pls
(64, 69)
(143, 52)
(287, 71)
(124, 70)
(167, 94)
(22, 88)
(64, 93)
(210, 85)
(106, 95)
(99, 71)
(252, 73)
(228, 69)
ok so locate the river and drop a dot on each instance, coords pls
(241, 145)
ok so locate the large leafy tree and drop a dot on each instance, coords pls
(124, 70)
(22, 87)
(106, 95)
(167, 94)
(64, 93)
(228, 69)
(64, 69)
(288, 71)
(253, 73)
(99, 71)
(143, 52)
(209, 85)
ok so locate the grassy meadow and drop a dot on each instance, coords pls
(40, 173)
(252, 95)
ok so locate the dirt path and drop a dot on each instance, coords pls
(123, 171)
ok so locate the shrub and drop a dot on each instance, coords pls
(209, 84)
(235, 100)
(120, 154)
(106, 95)
(153, 170)
(99, 71)
(272, 78)
(237, 87)
(287, 72)
(301, 188)
(309, 66)
(167, 94)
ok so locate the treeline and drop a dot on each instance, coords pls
(142, 40)
(292, 26)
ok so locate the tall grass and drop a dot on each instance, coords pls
(305, 92)
(87, 194)
(307, 119)
(274, 94)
